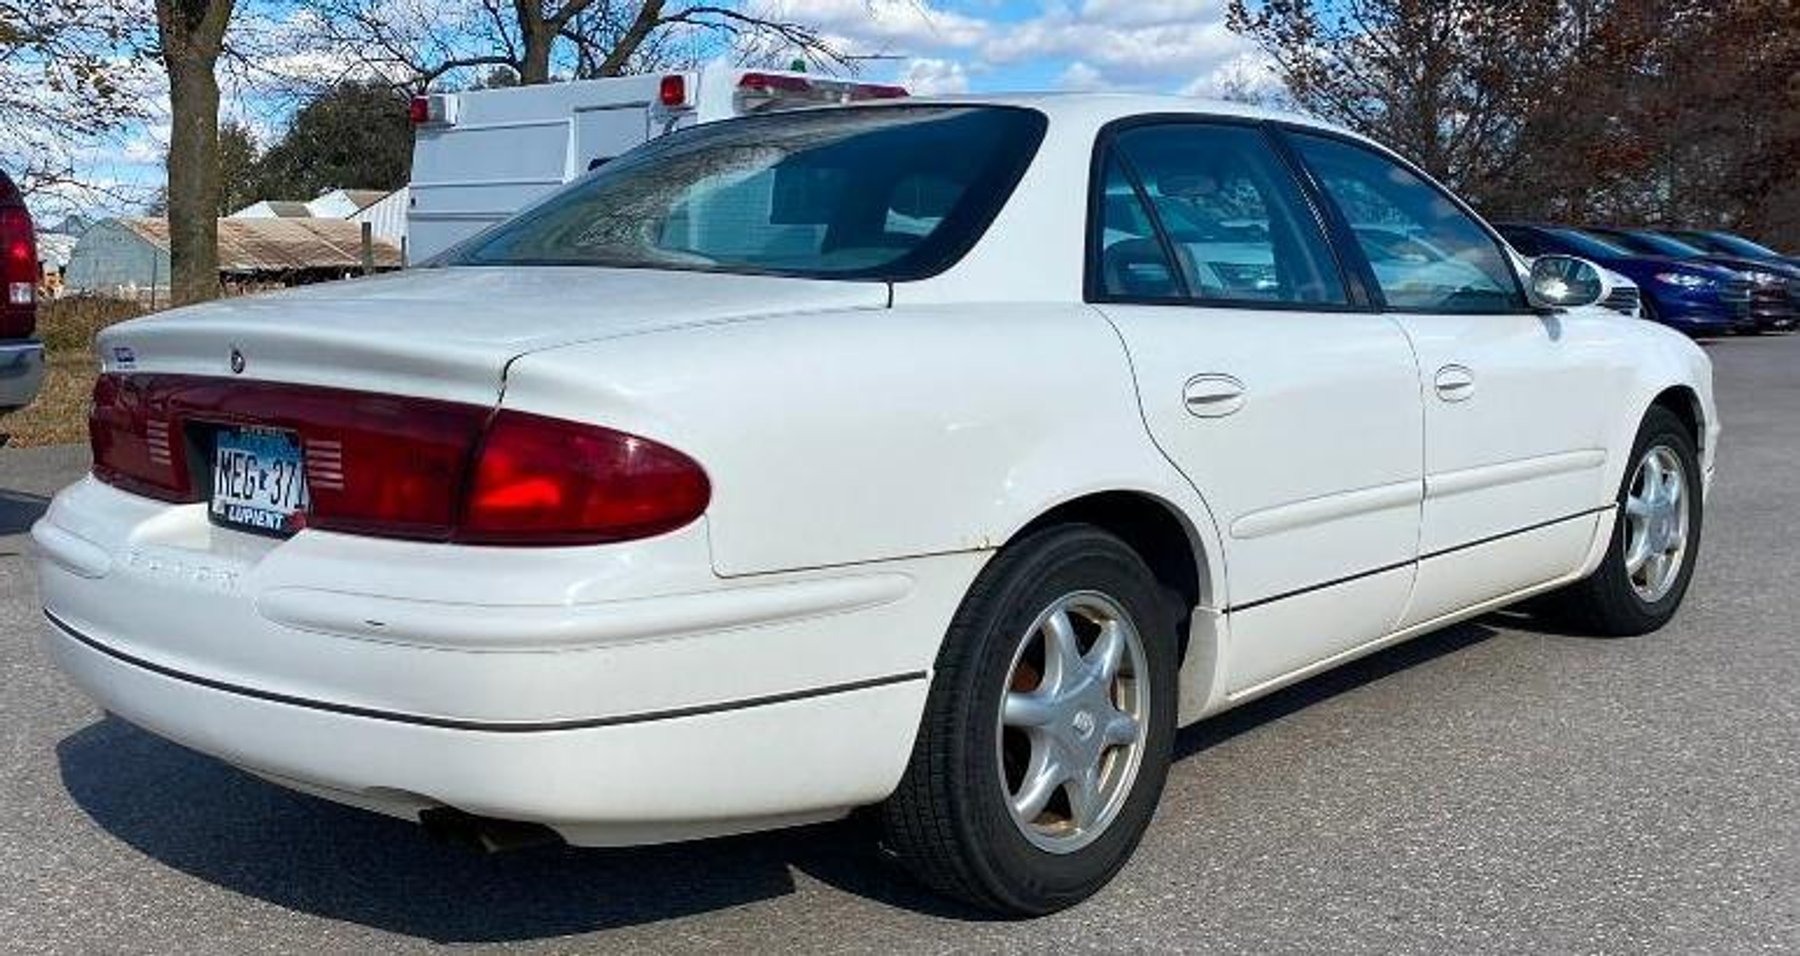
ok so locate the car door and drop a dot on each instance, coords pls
(1515, 401)
(1290, 404)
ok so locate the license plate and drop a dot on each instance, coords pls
(259, 479)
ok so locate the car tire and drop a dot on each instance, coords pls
(1005, 707)
(1624, 596)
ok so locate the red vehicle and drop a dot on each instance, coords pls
(21, 355)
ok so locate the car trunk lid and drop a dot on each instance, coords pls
(449, 333)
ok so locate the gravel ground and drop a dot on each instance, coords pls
(1494, 787)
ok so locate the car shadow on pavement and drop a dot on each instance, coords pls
(213, 822)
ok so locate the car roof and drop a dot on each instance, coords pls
(9, 194)
(1102, 108)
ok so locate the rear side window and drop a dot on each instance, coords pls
(1134, 261)
(887, 193)
(1218, 199)
(1427, 254)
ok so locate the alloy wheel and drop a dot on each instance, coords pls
(1072, 721)
(1656, 515)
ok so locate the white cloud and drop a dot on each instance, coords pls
(1081, 77)
(1250, 74)
(1133, 56)
(1150, 45)
(1127, 13)
(926, 76)
(904, 27)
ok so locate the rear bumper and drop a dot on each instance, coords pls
(670, 777)
(618, 694)
(21, 373)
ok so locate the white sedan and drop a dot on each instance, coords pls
(936, 456)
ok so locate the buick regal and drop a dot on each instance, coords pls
(940, 458)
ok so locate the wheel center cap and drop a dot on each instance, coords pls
(1083, 723)
(1662, 531)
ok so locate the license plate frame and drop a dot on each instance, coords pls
(258, 481)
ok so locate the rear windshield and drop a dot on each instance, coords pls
(886, 193)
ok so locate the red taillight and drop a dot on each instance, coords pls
(133, 443)
(672, 91)
(419, 110)
(382, 465)
(551, 481)
(397, 467)
(18, 273)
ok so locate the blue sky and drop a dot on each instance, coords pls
(933, 46)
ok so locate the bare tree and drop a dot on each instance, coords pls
(191, 36)
(421, 42)
(1678, 112)
(1448, 82)
(66, 79)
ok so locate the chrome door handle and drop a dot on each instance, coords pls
(1212, 395)
(1455, 383)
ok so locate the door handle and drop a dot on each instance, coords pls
(1212, 395)
(1455, 383)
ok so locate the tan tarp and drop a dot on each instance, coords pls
(281, 245)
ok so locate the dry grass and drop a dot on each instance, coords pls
(67, 327)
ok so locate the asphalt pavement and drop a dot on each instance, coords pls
(1495, 787)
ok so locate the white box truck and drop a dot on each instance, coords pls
(482, 155)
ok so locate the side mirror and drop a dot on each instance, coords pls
(1565, 282)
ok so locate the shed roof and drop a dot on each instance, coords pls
(362, 198)
(280, 245)
(277, 208)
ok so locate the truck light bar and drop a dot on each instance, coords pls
(762, 91)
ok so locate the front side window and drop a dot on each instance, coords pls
(1426, 253)
(887, 193)
(1235, 220)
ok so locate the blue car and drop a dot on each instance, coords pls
(1697, 297)
(1774, 286)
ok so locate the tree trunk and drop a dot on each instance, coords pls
(535, 66)
(193, 182)
(191, 34)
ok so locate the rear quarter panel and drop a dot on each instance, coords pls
(836, 438)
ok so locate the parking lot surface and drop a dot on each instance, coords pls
(1498, 786)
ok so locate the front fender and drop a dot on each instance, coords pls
(1664, 360)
